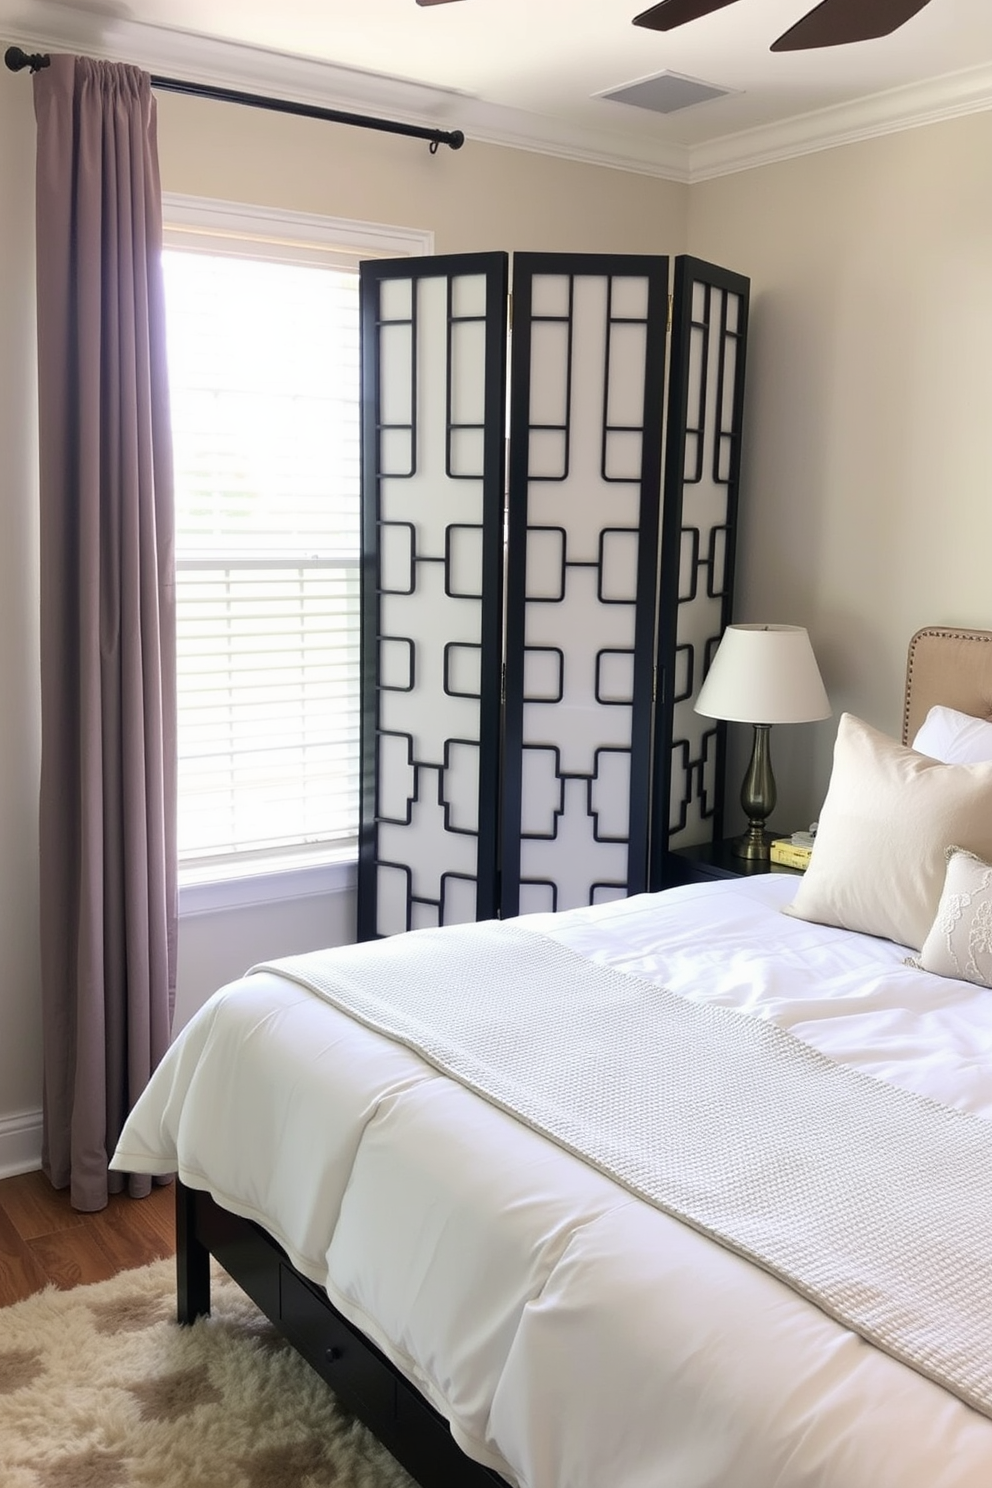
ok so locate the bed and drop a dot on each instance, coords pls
(505, 1305)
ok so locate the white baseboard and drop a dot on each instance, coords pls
(20, 1143)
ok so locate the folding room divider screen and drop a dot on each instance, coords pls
(532, 646)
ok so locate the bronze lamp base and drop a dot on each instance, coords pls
(758, 796)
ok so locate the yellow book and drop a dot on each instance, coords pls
(783, 850)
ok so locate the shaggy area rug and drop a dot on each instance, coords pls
(100, 1388)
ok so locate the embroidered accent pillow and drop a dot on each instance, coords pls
(960, 939)
(889, 817)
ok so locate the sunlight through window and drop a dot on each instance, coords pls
(264, 372)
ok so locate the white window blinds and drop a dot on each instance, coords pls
(263, 362)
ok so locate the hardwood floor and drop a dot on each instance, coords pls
(43, 1239)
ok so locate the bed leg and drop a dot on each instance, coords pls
(192, 1260)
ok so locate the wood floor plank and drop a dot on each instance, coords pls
(43, 1239)
(20, 1273)
(86, 1260)
(135, 1231)
(35, 1207)
(157, 1215)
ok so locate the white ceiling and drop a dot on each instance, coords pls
(530, 72)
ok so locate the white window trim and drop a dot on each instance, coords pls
(212, 224)
(265, 883)
(196, 220)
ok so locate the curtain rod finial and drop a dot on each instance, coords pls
(17, 60)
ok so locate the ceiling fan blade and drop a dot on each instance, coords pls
(837, 22)
(434, 2)
(671, 13)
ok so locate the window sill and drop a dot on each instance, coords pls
(265, 883)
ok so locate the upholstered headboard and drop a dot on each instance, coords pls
(949, 667)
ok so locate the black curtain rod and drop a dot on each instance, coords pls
(17, 60)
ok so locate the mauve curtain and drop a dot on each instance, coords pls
(107, 810)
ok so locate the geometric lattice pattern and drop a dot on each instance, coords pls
(585, 456)
(432, 522)
(706, 398)
(550, 761)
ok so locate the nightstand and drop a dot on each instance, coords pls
(708, 860)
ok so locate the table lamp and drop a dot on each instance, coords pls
(762, 674)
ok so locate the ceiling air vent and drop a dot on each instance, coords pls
(666, 93)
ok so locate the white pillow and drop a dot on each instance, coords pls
(960, 940)
(889, 817)
(954, 738)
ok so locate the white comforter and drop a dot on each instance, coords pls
(573, 1336)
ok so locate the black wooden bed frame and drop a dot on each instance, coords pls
(366, 1382)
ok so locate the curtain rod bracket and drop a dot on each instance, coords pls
(17, 60)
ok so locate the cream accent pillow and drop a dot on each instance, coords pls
(889, 817)
(960, 939)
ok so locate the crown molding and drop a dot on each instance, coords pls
(230, 64)
(236, 65)
(493, 124)
(892, 112)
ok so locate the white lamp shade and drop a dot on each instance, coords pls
(764, 674)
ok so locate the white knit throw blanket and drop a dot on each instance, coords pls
(871, 1201)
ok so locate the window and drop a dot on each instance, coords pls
(264, 377)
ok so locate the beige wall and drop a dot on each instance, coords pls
(866, 504)
(479, 198)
